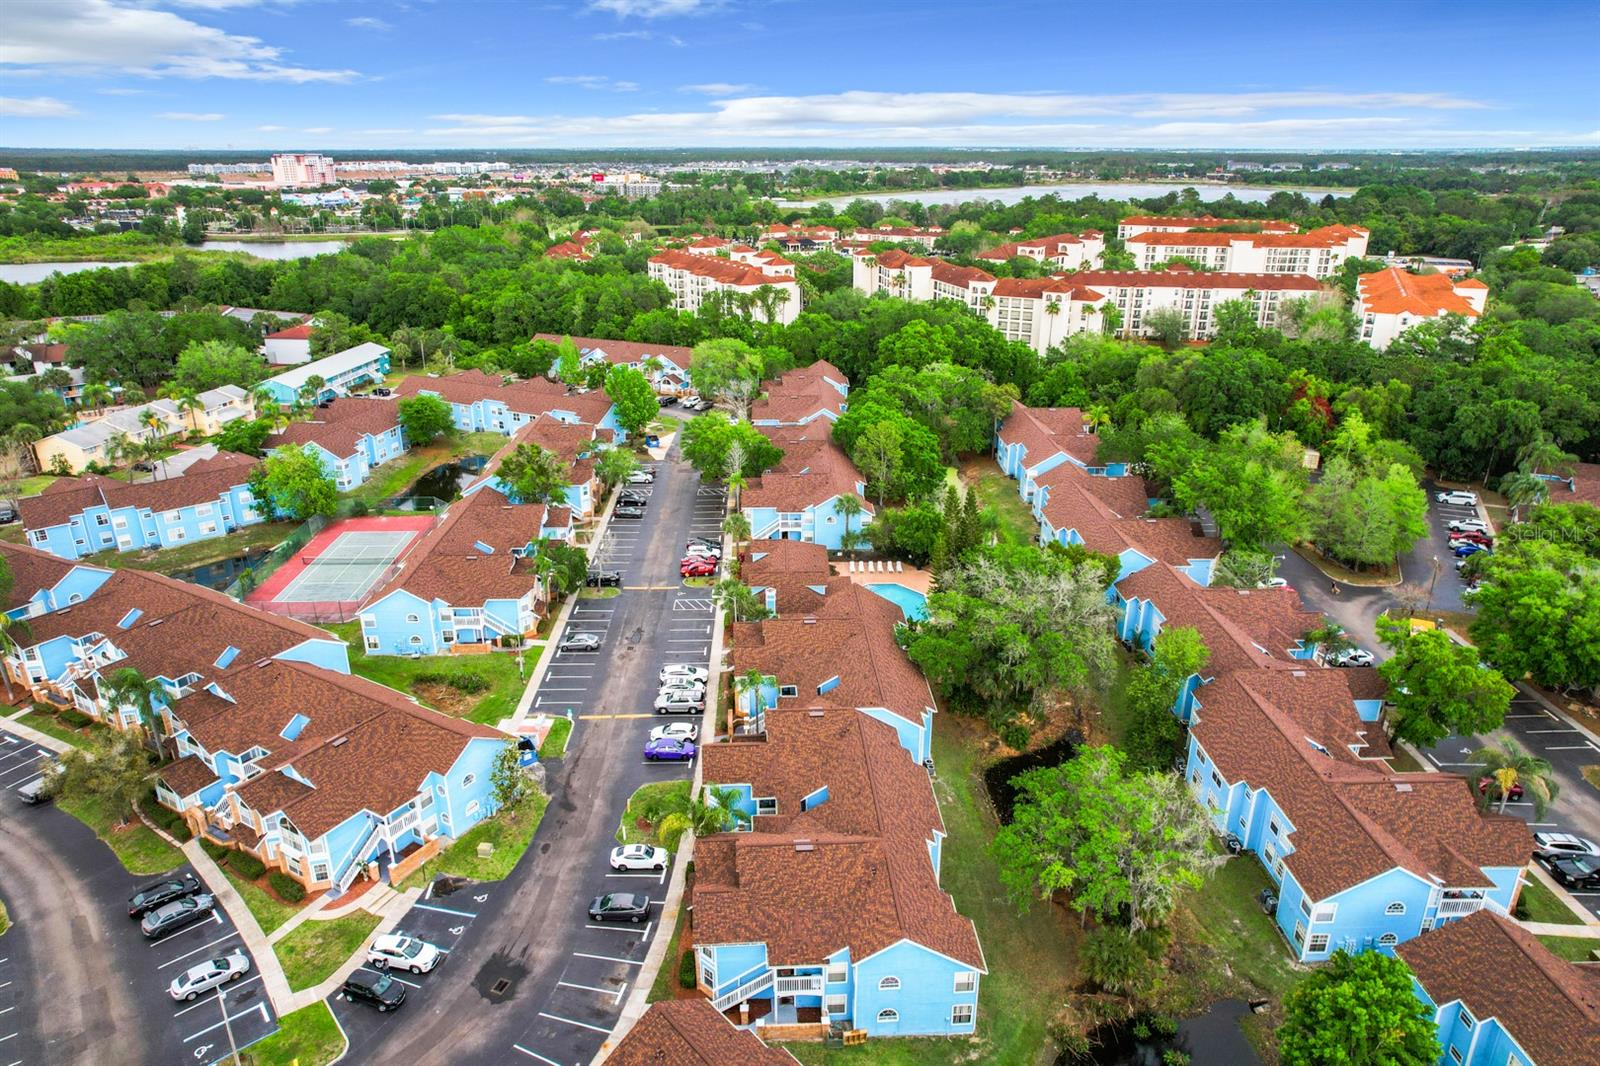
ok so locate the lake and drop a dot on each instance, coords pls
(1109, 190)
(30, 273)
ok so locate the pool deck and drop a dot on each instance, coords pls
(915, 580)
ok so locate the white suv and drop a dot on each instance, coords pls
(1457, 496)
(684, 672)
(401, 952)
(680, 701)
(1469, 525)
(676, 731)
(639, 857)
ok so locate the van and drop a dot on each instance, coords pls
(33, 792)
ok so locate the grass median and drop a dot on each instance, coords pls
(314, 950)
(138, 849)
(510, 831)
(482, 688)
(307, 1037)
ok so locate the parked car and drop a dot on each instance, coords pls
(628, 509)
(620, 907)
(1471, 537)
(645, 476)
(382, 391)
(1460, 497)
(1576, 872)
(579, 642)
(160, 893)
(1351, 657)
(37, 789)
(1274, 583)
(680, 702)
(208, 975)
(639, 857)
(702, 551)
(8, 514)
(144, 466)
(1486, 782)
(1468, 525)
(1563, 845)
(692, 689)
(696, 673)
(1471, 591)
(177, 914)
(705, 542)
(401, 952)
(1464, 550)
(704, 405)
(669, 750)
(698, 567)
(374, 989)
(676, 731)
(666, 401)
(638, 496)
(603, 578)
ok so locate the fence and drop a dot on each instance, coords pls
(286, 549)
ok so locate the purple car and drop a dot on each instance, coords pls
(670, 749)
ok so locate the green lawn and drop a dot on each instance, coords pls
(307, 1037)
(1572, 948)
(665, 985)
(198, 553)
(555, 742)
(1223, 917)
(268, 910)
(644, 803)
(136, 847)
(1538, 904)
(509, 831)
(1032, 957)
(399, 672)
(5, 919)
(314, 950)
(51, 726)
(998, 493)
(32, 486)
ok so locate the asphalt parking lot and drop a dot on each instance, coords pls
(67, 892)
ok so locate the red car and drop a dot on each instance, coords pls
(1485, 782)
(696, 567)
(1472, 537)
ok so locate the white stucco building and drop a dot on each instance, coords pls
(1392, 301)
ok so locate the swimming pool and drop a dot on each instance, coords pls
(912, 603)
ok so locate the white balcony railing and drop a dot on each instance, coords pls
(1451, 908)
(807, 985)
(743, 992)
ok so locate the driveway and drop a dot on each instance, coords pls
(528, 977)
(83, 985)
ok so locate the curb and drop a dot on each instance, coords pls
(44, 740)
(266, 959)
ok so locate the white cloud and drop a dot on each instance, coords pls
(123, 91)
(366, 22)
(624, 86)
(654, 9)
(317, 129)
(593, 81)
(716, 88)
(35, 107)
(192, 116)
(626, 35)
(271, 129)
(98, 36)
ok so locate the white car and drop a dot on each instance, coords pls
(700, 551)
(1457, 496)
(680, 701)
(1274, 583)
(1352, 657)
(207, 975)
(684, 670)
(676, 731)
(1469, 525)
(400, 952)
(642, 477)
(639, 857)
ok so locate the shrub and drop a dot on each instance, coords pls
(247, 865)
(288, 889)
(686, 970)
(74, 719)
(218, 852)
(165, 817)
(1123, 963)
(468, 681)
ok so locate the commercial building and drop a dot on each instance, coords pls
(1391, 301)
(292, 171)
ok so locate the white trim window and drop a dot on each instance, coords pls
(838, 973)
(888, 984)
(888, 1016)
(1397, 907)
(961, 1013)
(966, 981)
(1388, 940)
(1318, 942)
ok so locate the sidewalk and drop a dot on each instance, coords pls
(44, 740)
(272, 978)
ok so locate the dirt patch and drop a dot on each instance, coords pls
(443, 698)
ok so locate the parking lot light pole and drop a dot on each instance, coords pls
(1431, 582)
(227, 1026)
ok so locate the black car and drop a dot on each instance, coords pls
(628, 509)
(603, 578)
(620, 907)
(381, 391)
(181, 912)
(1576, 872)
(666, 401)
(375, 989)
(160, 893)
(633, 496)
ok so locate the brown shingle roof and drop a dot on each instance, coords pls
(793, 568)
(187, 775)
(32, 570)
(623, 351)
(447, 565)
(691, 1032)
(802, 392)
(204, 482)
(1496, 970)
(1043, 431)
(339, 427)
(528, 396)
(812, 470)
(1242, 627)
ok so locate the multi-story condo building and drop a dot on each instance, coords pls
(495, 404)
(1391, 301)
(925, 236)
(1134, 225)
(666, 365)
(351, 436)
(365, 364)
(803, 395)
(294, 170)
(798, 499)
(799, 238)
(1317, 252)
(768, 291)
(1068, 251)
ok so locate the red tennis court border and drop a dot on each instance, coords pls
(267, 592)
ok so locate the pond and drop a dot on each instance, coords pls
(997, 778)
(1106, 190)
(1210, 1039)
(30, 273)
(446, 482)
(220, 574)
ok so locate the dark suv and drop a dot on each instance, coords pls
(603, 578)
(159, 893)
(374, 989)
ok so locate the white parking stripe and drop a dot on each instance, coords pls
(258, 1008)
(569, 1021)
(402, 980)
(630, 929)
(220, 989)
(197, 950)
(446, 910)
(536, 1055)
(586, 988)
(608, 958)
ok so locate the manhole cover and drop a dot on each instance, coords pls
(500, 987)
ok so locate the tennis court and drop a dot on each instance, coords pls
(347, 568)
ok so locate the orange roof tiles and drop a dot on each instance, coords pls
(1394, 291)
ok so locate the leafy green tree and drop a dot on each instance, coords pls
(737, 528)
(510, 783)
(293, 483)
(909, 531)
(877, 454)
(1121, 844)
(1575, 526)
(1358, 1010)
(1509, 766)
(208, 364)
(898, 445)
(535, 475)
(615, 465)
(728, 370)
(1167, 326)
(1367, 518)
(1538, 614)
(247, 436)
(12, 632)
(635, 401)
(1155, 736)
(424, 418)
(113, 772)
(710, 439)
(1251, 481)
(740, 602)
(715, 810)
(1436, 686)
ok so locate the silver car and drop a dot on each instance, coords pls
(208, 975)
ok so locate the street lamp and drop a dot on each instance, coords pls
(1431, 582)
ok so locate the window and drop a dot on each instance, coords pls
(413, 618)
(1319, 942)
(961, 1014)
(889, 984)
(416, 640)
(788, 690)
(1396, 907)
(102, 520)
(838, 973)
(1455, 1056)
(319, 871)
(472, 809)
(966, 981)
(372, 643)
(1466, 1020)
(888, 1017)
(466, 782)
(1272, 826)
(1388, 940)
(1299, 932)
(767, 805)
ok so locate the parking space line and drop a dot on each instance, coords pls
(609, 958)
(536, 1055)
(631, 930)
(1571, 747)
(402, 980)
(445, 910)
(650, 876)
(586, 988)
(259, 1007)
(580, 1025)
(196, 951)
(220, 989)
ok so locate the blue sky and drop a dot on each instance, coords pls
(456, 74)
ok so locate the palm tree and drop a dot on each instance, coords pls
(848, 507)
(1510, 765)
(129, 688)
(737, 526)
(717, 812)
(190, 403)
(1542, 455)
(96, 395)
(1098, 417)
(263, 399)
(1523, 489)
(750, 683)
(10, 629)
(311, 391)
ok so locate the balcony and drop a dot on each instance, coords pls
(806, 985)
(1455, 908)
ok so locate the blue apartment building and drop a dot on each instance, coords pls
(341, 373)
(351, 436)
